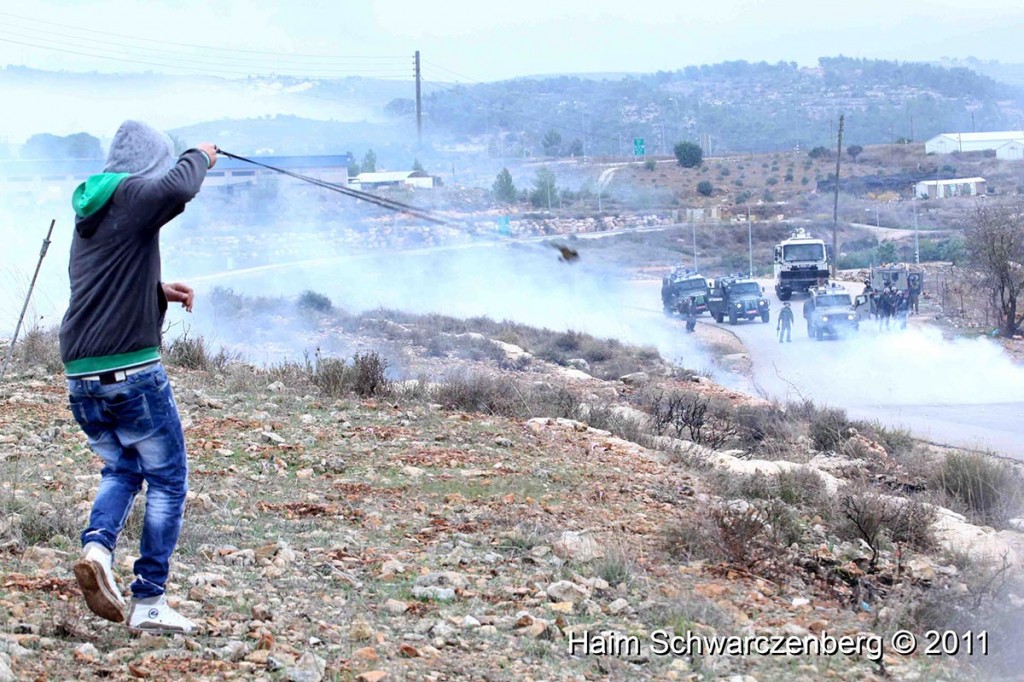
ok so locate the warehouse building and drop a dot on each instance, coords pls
(947, 143)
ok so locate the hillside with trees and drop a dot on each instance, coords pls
(743, 106)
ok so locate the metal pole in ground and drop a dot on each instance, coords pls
(24, 308)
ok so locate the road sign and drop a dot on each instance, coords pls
(638, 147)
(504, 228)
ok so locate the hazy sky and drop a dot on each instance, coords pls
(479, 40)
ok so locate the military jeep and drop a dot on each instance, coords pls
(680, 285)
(737, 298)
(829, 311)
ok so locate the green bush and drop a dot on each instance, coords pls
(705, 188)
(314, 302)
(689, 155)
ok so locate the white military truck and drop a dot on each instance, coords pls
(801, 262)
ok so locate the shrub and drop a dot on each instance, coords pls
(38, 347)
(829, 429)
(370, 375)
(988, 487)
(330, 375)
(705, 188)
(191, 352)
(476, 392)
(650, 164)
(313, 302)
(756, 423)
(688, 154)
(365, 377)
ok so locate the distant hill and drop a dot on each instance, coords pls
(1011, 74)
(743, 107)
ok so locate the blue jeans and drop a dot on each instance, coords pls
(134, 427)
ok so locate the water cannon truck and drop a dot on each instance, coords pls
(801, 262)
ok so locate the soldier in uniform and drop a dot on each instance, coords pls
(691, 314)
(914, 291)
(785, 325)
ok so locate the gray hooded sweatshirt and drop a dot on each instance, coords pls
(117, 305)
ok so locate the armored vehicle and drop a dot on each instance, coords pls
(897, 277)
(801, 262)
(829, 311)
(737, 298)
(681, 284)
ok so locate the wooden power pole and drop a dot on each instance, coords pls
(835, 204)
(419, 104)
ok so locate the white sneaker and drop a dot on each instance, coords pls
(154, 615)
(97, 582)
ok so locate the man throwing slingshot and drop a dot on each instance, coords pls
(118, 390)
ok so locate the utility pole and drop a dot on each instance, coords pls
(693, 225)
(917, 247)
(419, 103)
(835, 204)
(750, 246)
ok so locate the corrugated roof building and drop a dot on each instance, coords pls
(947, 143)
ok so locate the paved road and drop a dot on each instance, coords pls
(966, 392)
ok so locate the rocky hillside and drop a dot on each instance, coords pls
(516, 506)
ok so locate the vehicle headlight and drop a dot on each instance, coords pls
(851, 317)
(764, 302)
(824, 318)
(739, 305)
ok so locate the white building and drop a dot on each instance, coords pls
(947, 143)
(393, 179)
(1011, 151)
(955, 187)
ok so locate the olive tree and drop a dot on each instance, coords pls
(995, 248)
(688, 154)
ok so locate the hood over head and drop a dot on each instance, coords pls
(140, 150)
(137, 150)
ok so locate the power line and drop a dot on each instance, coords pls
(454, 73)
(190, 45)
(185, 62)
(189, 65)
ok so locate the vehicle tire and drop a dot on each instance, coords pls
(819, 334)
(733, 319)
(785, 295)
(810, 329)
(719, 317)
(764, 316)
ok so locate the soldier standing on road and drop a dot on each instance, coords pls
(785, 324)
(914, 291)
(691, 314)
